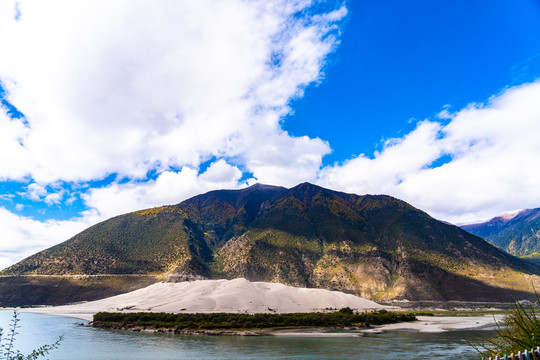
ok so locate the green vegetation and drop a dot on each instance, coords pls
(518, 331)
(228, 321)
(7, 344)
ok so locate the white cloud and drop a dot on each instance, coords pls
(35, 192)
(22, 237)
(287, 161)
(126, 87)
(493, 151)
(38, 192)
(54, 198)
(14, 159)
(169, 188)
(399, 159)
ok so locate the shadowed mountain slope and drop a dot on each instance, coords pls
(374, 246)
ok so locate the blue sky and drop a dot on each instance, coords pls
(402, 60)
(109, 108)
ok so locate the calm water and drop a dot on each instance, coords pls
(87, 343)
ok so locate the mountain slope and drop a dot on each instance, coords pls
(518, 233)
(373, 246)
(155, 240)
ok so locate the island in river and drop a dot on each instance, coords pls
(246, 324)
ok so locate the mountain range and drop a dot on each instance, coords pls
(374, 246)
(516, 232)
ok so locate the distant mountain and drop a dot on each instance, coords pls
(517, 232)
(374, 246)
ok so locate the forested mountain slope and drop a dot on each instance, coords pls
(374, 246)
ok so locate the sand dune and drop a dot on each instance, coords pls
(205, 296)
(241, 295)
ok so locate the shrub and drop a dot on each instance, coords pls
(346, 310)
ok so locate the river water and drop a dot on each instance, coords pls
(86, 343)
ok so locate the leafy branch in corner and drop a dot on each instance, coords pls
(518, 331)
(7, 344)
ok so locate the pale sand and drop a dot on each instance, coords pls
(435, 324)
(209, 296)
(424, 324)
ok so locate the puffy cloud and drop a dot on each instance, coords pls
(482, 162)
(287, 161)
(14, 159)
(54, 198)
(169, 188)
(399, 159)
(39, 192)
(35, 191)
(131, 86)
(22, 236)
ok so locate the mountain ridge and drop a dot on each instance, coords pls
(374, 246)
(518, 234)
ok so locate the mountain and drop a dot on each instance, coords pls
(374, 246)
(517, 232)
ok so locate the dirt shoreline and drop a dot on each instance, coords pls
(310, 332)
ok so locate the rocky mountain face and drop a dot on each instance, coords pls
(374, 246)
(518, 232)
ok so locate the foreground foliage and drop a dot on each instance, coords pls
(344, 317)
(519, 330)
(7, 344)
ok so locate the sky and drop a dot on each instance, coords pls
(110, 107)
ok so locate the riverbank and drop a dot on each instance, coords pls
(295, 332)
(423, 324)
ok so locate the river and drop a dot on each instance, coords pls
(86, 343)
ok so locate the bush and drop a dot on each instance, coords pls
(346, 310)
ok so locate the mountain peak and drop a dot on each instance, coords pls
(509, 215)
(307, 189)
(261, 186)
(372, 245)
